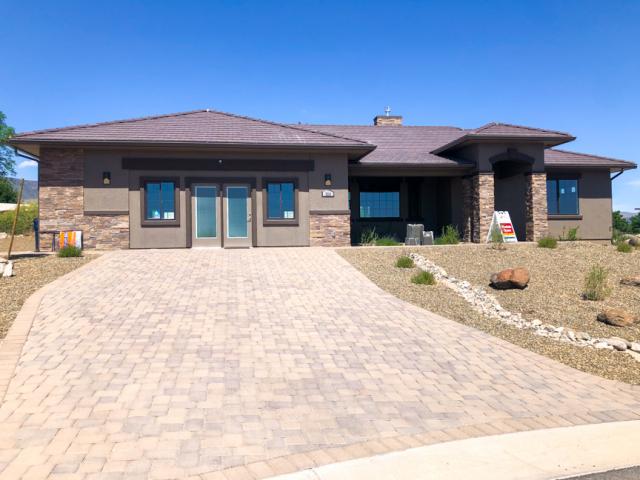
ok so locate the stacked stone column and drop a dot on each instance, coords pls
(483, 205)
(536, 206)
(330, 229)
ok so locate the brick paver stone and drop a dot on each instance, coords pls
(170, 364)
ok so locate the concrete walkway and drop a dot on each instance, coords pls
(171, 364)
(536, 455)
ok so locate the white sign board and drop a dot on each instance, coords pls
(502, 222)
(328, 193)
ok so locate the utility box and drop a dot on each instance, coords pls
(414, 234)
(427, 238)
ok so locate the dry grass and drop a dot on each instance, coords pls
(21, 243)
(553, 295)
(31, 274)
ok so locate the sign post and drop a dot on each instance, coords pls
(502, 222)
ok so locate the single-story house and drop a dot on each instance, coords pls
(208, 178)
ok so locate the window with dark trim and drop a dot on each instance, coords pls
(280, 202)
(379, 204)
(159, 201)
(562, 196)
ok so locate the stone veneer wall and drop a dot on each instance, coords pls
(61, 203)
(536, 206)
(330, 230)
(483, 205)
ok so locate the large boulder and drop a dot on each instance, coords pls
(617, 317)
(631, 281)
(510, 278)
(634, 240)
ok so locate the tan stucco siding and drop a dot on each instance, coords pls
(123, 195)
(594, 190)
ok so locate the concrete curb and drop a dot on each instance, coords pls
(535, 455)
(11, 345)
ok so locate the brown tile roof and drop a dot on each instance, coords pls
(406, 145)
(201, 127)
(563, 158)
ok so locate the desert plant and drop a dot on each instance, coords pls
(28, 212)
(497, 242)
(368, 237)
(572, 234)
(547, 242)
(404, 262)
(69, 251)
(596, 285)
(423, 278)
(624, 247)
(449, 236)
(386, 241)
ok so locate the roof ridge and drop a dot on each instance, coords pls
(286, 125)
(375, 126)
(178, 114)
(590, 155)
(502, 124)
(109, 122)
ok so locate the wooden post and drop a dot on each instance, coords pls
(15, 219)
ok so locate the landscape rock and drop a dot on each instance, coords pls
(617, 317)
(7, 270)
(510, 278)
(631, 281)
(617, 343)
(634, 240)
(635, 346)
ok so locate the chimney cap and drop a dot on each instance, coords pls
(388, 120)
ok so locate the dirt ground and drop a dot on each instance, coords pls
(554, 294)
(21, 243)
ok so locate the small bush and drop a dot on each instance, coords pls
(70, 251)
(572, 234)
(450, 236)
(624, 247)
(497, 242)
(387, 241)
(28, 212)
(404, 262)
(423, 278)
(596, 286)
(547, 242)
(368, 237)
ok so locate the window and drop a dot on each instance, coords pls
(379, 204)
(160, 201)
(281, 201)
(562, 196)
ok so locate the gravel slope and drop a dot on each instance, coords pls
(553, 295)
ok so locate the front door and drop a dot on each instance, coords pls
(237, 215)
(206, 223)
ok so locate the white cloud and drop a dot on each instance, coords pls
(27, 164)
(634, 183)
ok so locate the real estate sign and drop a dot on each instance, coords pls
(502, 222)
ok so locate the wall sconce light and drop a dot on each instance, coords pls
(106, 178)
(327, 179)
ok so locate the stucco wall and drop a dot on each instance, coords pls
(594, 190)
(123, 195)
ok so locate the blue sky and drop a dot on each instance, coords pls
(564, 65)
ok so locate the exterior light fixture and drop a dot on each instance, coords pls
(106, 178)
(327, 179)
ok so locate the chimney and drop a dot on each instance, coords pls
(387, 120)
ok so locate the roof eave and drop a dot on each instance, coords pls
(591, 166)
(549, 141)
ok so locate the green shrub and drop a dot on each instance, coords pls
(423, 278)
(450, 236)
(497, 242)
(387, 241)
(26, 216)
(404, 262)
(70, 251)
(368, 237)
(572, 234)
(617, 236)
(547, 242)
(596, 286)
(624, 247)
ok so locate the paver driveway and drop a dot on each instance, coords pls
(165, 364)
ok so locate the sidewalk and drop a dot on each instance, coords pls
(536, 455)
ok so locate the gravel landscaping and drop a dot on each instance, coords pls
(31, 273)
(553, 295)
